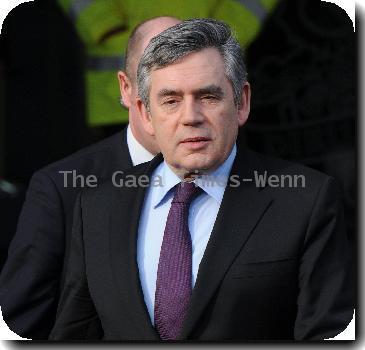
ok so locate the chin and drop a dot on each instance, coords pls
(199, 163)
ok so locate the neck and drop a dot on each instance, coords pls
(185, 174)
(147, 141)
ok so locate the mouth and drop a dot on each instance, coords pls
(195, 143)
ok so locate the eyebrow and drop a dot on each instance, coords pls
(168, 92)
(210, 89)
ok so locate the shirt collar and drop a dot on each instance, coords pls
(214, 184)
(137, 152)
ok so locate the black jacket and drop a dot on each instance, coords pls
(32, 276)
(275, 267)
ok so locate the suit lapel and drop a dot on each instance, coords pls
(124, 224)
(241, 209)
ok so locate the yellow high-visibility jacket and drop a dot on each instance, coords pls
(104, 27)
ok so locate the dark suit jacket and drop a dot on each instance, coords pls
(275, 266)
(31, 278)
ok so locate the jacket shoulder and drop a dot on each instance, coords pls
(96, 150)
(287, 179)
(98, 159)
(278, 166)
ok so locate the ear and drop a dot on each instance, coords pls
(244, 110)
(125, 86)
(145, 117)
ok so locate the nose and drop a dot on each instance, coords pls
(192, 113)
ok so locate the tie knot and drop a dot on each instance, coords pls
(186, 192)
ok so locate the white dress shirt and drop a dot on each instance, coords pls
(137, 152)
(202, 215)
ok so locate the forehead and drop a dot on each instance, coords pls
(146, 32)
(193, 71)
(154, 27)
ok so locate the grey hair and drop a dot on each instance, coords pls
(187, 37)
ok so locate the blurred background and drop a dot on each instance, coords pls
(59, 90)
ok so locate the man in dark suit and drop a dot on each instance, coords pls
(206, 242)
(32, 277)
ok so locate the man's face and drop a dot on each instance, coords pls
(192, 112)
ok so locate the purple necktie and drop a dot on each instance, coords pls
(173, 285)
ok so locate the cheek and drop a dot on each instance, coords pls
(227, 127)
(224, 124)
(165, 134)
(165, 125)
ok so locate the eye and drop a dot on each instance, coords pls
(209, 98)
(170, 102)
